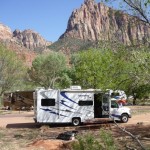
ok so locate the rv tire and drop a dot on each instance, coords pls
(124, 118)
(76, 121)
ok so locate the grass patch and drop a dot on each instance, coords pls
(15, 139)
(18, 136)
(90, 142)
(1, 135)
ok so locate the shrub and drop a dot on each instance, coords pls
(90, 142)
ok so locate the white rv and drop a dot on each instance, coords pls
(76, 106)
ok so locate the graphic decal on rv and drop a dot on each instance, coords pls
(113, 115)
(65, 96)
(63, 103)
(43, 94)
(52, 112)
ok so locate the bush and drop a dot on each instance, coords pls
(89, 142)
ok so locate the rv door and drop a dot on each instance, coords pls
(105, 106)
(114, 111)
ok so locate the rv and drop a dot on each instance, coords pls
(18, 99)
(76, 106)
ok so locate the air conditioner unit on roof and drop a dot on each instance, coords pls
(75, 87)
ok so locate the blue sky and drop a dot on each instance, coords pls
(47, 17)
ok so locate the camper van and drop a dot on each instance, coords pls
(18, 100)
(76, 106)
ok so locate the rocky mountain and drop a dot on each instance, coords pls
(5, 33)
(25, 43)
(30, 39)
(27, 38)
(95, 21)
(26, 55)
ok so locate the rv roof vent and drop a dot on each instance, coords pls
(75, 87)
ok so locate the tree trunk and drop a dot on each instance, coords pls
(134, 99)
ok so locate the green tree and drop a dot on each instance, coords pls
(11, 70)
(125, 69)
(50, 70)
(139, 76)
(133, 73)
(147, 2)
(90, 67)
(98, 68)
(87, 68)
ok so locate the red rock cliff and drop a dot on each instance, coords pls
(98, 22)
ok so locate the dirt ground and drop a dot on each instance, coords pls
(19, 132)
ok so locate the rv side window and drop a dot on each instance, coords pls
(85, 103)
(114, 104)
(47, 102)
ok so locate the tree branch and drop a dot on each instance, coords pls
(133, 136)
(138, 9)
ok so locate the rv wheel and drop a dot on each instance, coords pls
(124, 118)
(76, 121)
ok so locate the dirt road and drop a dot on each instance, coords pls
(16, 119)
(140, 114)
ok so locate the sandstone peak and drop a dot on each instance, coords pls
(23, 43)
(95, 21)
(5, 32)
(27, 38)
(30, 39)
(89, 2)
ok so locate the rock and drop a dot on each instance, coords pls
(30, 39)
(5, 33)
(26, 55)
(95, 21)
(26, 44)
(140, 123)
